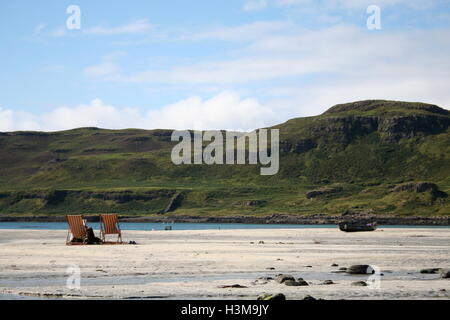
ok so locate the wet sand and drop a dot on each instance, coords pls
(194, 264)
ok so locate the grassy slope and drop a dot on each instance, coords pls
(340, 148)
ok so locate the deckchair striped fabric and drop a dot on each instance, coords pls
(109, 224)
(77, 228)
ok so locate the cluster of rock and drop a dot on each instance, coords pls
(300, 146)
(360, 269)
(444, 273)
(416, 187)
(280, 296)
(323, 191)
(289, 280)
(272, 297)
(254, 203)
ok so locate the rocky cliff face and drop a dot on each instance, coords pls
(387, 106)
(392, 121)
(395, 128)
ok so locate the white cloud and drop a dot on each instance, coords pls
(341, 63)
(39, 28)
(94, 114)
(226, 110)
(248, 32)
(135, 27)
(340, 51)
(316, 98)
(102, 69)
(254, 5)
(106, 67)
(355, 4)
(11, 120)
(58, 32)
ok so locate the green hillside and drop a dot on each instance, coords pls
(381, 157)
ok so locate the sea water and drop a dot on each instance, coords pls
(184, 226)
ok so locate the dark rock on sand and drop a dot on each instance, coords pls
(359, 284)
(291, 283)
(343, 269)
(298, 283)
(335, 265)
(270, 297)
(262, 280)
(232, 286)
(358, 269)
(327, 282)
(430, 270)
(309, 298)
(283, 277)
(445, 273)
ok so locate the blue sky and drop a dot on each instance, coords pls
(221, 64)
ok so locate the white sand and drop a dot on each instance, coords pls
(192, 264)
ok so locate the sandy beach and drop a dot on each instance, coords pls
(195, 264)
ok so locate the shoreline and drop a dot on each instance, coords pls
(272, 219)
(226, 264)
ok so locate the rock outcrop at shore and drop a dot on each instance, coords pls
(416, 187)
(272, 219)
(174, 203)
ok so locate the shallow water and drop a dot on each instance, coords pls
(7, 296)
(181, 226)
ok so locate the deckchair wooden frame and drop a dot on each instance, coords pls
(109, 224)
(76, 228)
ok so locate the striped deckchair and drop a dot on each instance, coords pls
(77, 227)
(109, 224)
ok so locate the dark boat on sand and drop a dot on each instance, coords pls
(357, 226)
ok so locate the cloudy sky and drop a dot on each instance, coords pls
(236, 64)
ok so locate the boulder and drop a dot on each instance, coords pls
(236, 286)
(283, 277)
(298, 283)
(358, 269)
(430, 270)
(445, 273)
(265, 278)
(359, 284)
(270, 297)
